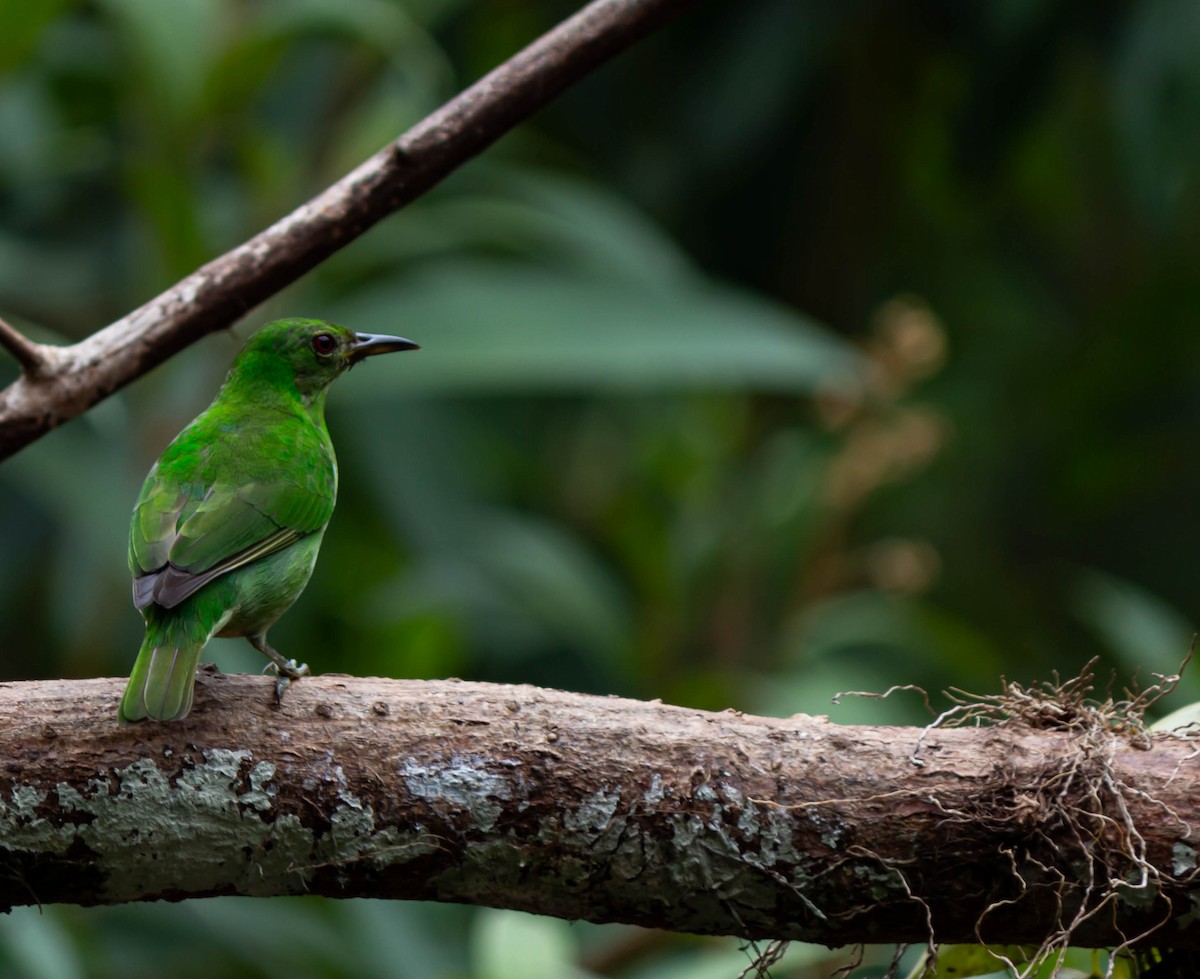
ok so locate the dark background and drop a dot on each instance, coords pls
(807, 347)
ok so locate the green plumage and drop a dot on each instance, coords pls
(227, 527)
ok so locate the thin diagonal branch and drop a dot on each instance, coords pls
(217, 294)
(24, 351)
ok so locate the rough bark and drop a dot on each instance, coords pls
(597, 808)
(59, 383)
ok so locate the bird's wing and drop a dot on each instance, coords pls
(184, 535)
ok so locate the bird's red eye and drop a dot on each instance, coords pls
(324, 344)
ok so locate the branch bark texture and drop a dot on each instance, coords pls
(69, 380)
(595, 808)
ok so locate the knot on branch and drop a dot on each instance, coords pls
(36, 360)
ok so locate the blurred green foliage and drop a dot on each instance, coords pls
(807, 347)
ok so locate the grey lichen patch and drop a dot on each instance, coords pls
(704, 870)
(487, 872)
(462, 784)
(593, 815)
(21, 828)
(206, 828)
(212, 825)
(25, 798)
(1141, 894)
(356, 838)
(261, 790)
(768, 833)
(712, 859)
(832, 829)
(879, 882)
(709, 855)
(1183, 859)
(714, 853)
(357, 835)
(655, 793)
(270, 857)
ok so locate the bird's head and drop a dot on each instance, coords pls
(310, 353)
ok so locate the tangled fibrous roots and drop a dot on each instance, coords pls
(1059, 705)
(760, 967)
(1075, 819)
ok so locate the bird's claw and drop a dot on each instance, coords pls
(285, 673)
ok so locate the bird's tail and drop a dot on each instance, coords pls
(160, 686)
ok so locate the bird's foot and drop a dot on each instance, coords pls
(285, 670)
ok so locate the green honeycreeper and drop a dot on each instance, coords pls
(226, 529)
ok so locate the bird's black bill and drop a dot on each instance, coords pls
(370, 344)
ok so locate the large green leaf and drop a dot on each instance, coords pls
(1141, 630)
(514, 945)
(492, 327)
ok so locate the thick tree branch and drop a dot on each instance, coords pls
(213, 297)
(596, 808)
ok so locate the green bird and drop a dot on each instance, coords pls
(226, 529)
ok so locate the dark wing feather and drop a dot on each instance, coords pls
(170, 585)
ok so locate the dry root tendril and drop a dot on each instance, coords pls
(1078, 815)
